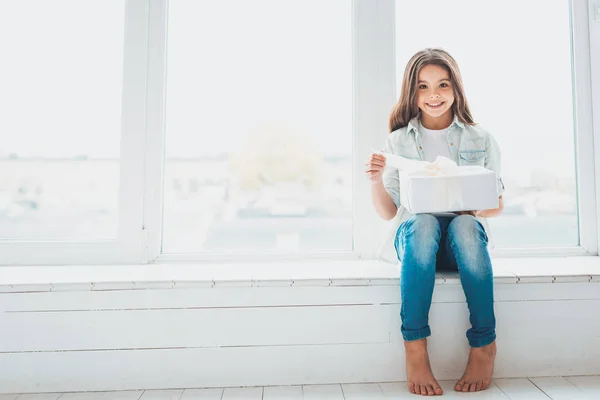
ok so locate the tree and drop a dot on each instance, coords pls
(275, 153)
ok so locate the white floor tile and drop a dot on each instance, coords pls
(520, 389)
(253, 393)
(558, 388)
(121, 395)
(362, 391)
(396, 390)
(555, 388)
(323, 392)
(202, 394)
(589, 385)
(162, 395)
(283, 393)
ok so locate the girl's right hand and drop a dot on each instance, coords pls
(374, 167)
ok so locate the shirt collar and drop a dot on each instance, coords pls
(413, 124)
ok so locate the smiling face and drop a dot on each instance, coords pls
(435, 96)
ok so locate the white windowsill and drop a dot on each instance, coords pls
(273, 274)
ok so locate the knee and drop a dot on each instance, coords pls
(420, 238)
(467, 231)
(423, 225)
(423, 231)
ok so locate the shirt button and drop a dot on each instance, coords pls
(451, 144)
(421, 148)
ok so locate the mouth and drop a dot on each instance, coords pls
(436, 106)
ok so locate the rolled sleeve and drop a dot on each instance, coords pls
(493, 161)
(391, 180)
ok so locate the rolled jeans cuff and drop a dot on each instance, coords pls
(482, 341)
(410, 336)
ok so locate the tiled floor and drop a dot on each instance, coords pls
(556, 388)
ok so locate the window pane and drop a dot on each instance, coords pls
(259, 127)
(518, 82)
(61, 86)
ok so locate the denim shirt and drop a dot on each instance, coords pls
(468, 144)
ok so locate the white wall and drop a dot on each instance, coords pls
(310, 333)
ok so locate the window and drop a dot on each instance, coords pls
(73, 126)
(519, 82)
(152, 130)
(61, 80)
(258, 127)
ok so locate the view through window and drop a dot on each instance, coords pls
(259, 127)
(61, 80)
(259, 118)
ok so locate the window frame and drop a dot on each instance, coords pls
(374, 93)
(369, 31)
(583, 51)
(126, 248)
(585, 31)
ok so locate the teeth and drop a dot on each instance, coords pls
(435, 105)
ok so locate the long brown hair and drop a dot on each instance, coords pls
(406, 108)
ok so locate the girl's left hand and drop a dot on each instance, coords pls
(473, 213)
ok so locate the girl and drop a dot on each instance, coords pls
(432, 118)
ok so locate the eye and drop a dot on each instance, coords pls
(444, 85)
(422, 86)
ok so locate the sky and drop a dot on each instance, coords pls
(235, 67)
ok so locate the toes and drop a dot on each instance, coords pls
(430, 391)
(425, 390)
(471, 387)
(459, 385)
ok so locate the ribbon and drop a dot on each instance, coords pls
(448, 193)
(442, 166)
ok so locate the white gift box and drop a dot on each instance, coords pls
(442, 186)
(473, 188)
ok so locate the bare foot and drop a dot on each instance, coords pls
(478, 374)
(420, 379)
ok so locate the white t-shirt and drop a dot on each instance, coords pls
(435, 143)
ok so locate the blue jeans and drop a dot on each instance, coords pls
(426, 243)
